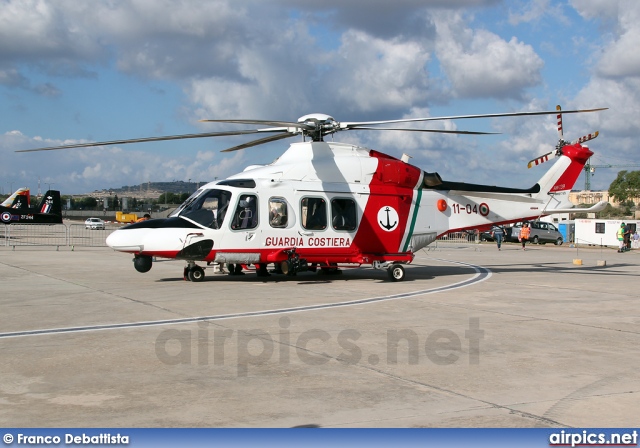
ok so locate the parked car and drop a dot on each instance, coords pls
(94, 223)
(541, 233)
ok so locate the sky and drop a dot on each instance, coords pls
(105, 70)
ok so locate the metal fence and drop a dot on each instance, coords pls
(459, 237)
(71, 235)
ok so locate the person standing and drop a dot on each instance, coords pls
(498, 234)
(627, 237)
(525, 232)
(620, 236)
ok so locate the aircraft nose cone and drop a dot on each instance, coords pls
(114, 239)
(125, 241)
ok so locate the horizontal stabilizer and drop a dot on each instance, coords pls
(594, 209)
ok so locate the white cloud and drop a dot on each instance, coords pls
(82, 170)
(358, 60)
(534, 11)
(376, 74)
(600, 9)
(480, 64)
(621, 58)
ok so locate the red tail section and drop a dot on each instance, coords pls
(578, 155)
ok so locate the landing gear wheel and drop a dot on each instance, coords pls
(396, 272)
(332, 270)
(196, 274)
(142, 263)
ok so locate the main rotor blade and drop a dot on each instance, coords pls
(154, 139)
(289, 124)
(438, 131)
(260, 141)
(349, 125)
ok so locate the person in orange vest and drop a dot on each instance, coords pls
(524, 235)
(144, 218)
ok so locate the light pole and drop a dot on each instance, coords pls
(49, 184)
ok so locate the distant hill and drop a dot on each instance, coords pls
(151, 189)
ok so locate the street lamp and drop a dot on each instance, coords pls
(49, 184)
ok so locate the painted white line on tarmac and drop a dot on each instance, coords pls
(481, 275)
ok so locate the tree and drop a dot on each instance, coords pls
(87, 203)
(626, 186)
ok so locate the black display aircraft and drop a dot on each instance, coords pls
(48, 212)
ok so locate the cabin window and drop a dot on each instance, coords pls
(314, 213)
(600, 227)
(208, 209)
(343, 214)
(278, 216)
(246, 214)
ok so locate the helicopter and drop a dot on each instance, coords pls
(323, 206)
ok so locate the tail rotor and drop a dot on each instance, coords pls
(561, 142)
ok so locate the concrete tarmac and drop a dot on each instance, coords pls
(475, 337)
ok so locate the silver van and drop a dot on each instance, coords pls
(541, 233)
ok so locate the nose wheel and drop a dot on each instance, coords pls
(193, 273)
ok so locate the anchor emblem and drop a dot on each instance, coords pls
(387, 218)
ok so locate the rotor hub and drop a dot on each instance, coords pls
(321, 125)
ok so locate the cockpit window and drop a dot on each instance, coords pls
(208, 209)
(186, 203)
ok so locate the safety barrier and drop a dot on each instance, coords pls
(58, 235)
(80, 236)
(458, 237)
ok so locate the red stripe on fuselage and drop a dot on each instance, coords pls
(392, 185)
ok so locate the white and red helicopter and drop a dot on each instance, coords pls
(325, 205)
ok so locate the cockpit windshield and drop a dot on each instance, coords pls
(206, 207)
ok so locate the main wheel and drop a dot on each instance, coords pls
(196, 274)
(396, 272)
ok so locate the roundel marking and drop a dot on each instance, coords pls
(6, 217)
(388, 218)
(484, 209)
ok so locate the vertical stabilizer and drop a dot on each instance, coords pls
(51, 203)
(19, 199)
(556, 184)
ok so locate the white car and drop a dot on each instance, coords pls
(94, 223)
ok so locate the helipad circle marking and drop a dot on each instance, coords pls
(481, 275)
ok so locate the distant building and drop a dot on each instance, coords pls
(593, 197)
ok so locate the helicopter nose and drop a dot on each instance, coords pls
(124, 240)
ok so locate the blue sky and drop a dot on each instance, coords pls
(103, 70)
